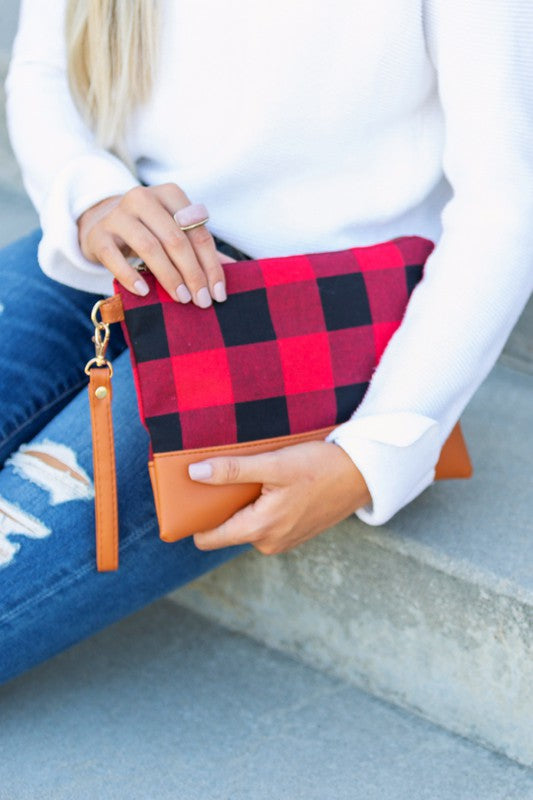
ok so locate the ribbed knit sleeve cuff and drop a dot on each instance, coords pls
(396, 453)
(83, 182)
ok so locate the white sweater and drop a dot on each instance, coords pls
(318, 126)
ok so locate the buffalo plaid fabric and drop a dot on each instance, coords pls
(291, 349)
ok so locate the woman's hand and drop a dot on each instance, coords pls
(141, 223)
(306, 488)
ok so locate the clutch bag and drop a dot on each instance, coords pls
(287, 357)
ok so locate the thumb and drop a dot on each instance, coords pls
(260, 468)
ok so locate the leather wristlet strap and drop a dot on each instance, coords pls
(105, 482)
(100, 371)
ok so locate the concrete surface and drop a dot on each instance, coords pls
(166, 705)
(8, 22)
(17, 214)
(433, 611)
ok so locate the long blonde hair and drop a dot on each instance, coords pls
(111, 50)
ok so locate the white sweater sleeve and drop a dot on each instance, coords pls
(63, 169)
(480, 275)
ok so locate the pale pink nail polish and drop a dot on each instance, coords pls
(200, 471)
(219, 292)
(141, 287)
(203, 298)
(184, 296)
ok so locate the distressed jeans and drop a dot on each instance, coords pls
(51, 595)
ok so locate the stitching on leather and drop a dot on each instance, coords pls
(112, 477)
(241, 445)
(113, 306)
(97, 486)
(155, 490)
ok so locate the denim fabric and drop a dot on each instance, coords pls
(50, 593)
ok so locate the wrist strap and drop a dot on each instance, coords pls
(105, 482)
(104, 467)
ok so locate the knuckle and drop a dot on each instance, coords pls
(105, 251)
(169, 241)
(231, 470)
(111, 217)
(201, 236)
(172, 188)
(267, 548)
(133, 196)
(148, 244)
(181, 242)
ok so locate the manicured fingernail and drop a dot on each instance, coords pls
(200, 471)
(203, 298)
(219, 292)
(184, 296)
(141, 287)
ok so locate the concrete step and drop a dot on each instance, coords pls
(167, 705)
(433, 611)
(518, 352)
(17, 214)
(9, 10)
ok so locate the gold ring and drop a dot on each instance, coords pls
(194, 225)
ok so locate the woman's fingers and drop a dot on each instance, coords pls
(201, 240)
(204, 247)
(177, 247)
(259, 468)
(140, 239)
(110, 255)
(141, 222)
(149, 205)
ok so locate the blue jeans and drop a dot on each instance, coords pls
(51, 595)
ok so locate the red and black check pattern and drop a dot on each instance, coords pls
(291, 349)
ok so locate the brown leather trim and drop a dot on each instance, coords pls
(112, 309)
(260, 445)
(105, 490)
(185, 507)
(153, 481)
(454, 460)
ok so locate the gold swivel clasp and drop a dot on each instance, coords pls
(101, 341)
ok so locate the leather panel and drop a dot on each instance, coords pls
(112, 310)
(184, 506)
(454, 460)
(105, 488)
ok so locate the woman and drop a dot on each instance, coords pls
(301, 129)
